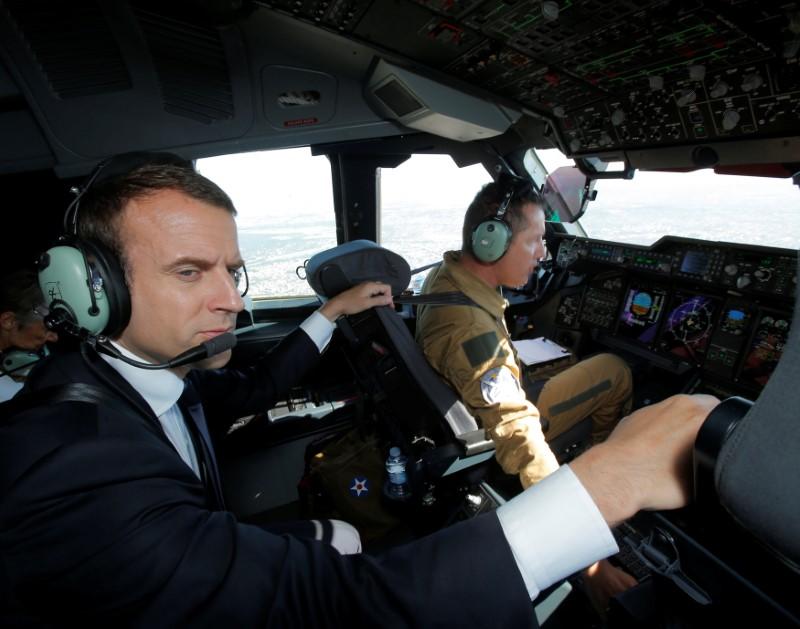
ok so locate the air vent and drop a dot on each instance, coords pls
(191, 66)
(73, 46)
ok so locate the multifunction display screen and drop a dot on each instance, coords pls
(641, 312)
(688, 325)
(766, 349)
(695, 262)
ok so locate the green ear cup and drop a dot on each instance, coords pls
(65, 286)
(490, 240)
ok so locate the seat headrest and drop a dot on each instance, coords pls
(335, 270)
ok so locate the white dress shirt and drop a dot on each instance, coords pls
(319, 329)
(554, 529)
(8, 388)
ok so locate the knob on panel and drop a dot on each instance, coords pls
(730, 119)
(743, 282)
(751, 82)
(686, 97)
(719, 89)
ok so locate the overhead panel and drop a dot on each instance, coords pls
(611, 75)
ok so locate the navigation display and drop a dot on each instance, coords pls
(688, 326)
(766, 348)
(644, 305)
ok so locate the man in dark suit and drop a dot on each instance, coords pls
(111, 513)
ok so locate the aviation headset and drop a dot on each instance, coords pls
(18, 362)
(492, 236)
(81, 279)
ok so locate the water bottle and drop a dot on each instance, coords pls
(397, 485)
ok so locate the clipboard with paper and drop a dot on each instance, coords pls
(539, 351)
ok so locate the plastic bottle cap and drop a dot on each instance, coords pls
(394, 451)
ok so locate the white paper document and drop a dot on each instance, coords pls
(539, 350)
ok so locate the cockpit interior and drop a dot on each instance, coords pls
(617, 87)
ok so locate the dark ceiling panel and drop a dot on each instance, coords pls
(191, 65)
(73, 46)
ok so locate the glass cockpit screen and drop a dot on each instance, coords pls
(766, 348)
(688, 325)
(644, 305)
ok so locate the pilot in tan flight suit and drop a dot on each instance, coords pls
(471, 348)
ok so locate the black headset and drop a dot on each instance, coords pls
(492, 236)
(81, 279)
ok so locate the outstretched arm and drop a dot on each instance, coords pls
(644, 464)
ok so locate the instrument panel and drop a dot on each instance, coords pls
(719, 307)
(612, 75)
(749, 270)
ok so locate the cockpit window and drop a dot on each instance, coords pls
(284, 201)
(700, 204)
(423, 201)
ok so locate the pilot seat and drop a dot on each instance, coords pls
(416, 410)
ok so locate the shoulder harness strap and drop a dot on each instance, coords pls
(76, 392)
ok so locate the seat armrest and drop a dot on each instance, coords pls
(475, 442)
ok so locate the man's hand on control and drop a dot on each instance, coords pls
(646, 462)
(357, 299)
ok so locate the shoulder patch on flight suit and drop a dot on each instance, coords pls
(499, 384)
(482, 348)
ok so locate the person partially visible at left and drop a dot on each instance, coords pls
(23, 334)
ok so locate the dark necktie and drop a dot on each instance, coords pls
(195, 418)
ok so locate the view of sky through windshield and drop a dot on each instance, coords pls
(700, 204)
(285, 209)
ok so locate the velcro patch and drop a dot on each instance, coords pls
(499, 384)
(482, 348)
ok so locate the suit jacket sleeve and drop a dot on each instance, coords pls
(105, 527)
(228, 394)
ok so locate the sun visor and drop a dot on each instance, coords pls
(425, 105)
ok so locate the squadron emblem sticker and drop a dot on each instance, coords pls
(499, 384)
(359, 487)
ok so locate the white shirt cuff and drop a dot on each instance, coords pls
(319, 329)
(554, 530)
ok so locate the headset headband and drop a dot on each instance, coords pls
(113, 167)
(514, 187)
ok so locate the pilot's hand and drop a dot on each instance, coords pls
(356, 299)
(646, 462)
(604, 580)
